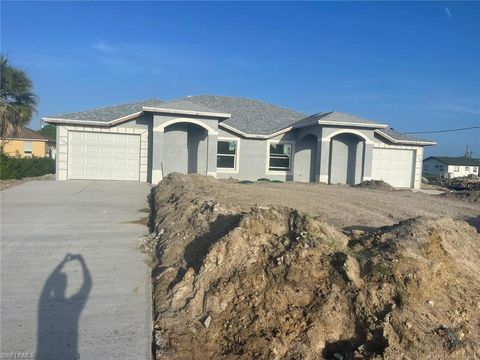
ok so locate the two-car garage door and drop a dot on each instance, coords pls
(394, 166)
(103, 156)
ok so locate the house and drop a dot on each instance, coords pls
(451, 167)
(28, 143)
(234, 137)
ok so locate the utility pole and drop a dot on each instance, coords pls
(466, 151)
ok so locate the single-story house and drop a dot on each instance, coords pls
(451, 166)
(27, 143)
(235, 137)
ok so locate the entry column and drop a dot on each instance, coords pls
(323, 159)
(157, 156)
(367, 161)
(212, 153)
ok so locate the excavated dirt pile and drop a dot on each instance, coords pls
(275, 283)
(472, 196)
(375, 185)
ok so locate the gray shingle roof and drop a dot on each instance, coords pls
(402, 137)
(248, 115)
(109, 113)
(334, 117)
(186, 104)
(456, 160)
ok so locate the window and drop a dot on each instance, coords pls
(227, 154)
(280, 155)
(467, 168)
(475, 169)
(27, 148)
(456, 168)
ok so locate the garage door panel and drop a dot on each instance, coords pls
(394, 166)
(105, 156)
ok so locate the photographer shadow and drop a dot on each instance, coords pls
(58, 316)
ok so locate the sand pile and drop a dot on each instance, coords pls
(274, 283)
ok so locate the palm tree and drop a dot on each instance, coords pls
(17, 100)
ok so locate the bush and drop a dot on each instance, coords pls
(19, 168)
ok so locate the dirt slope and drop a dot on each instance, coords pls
(271, 282)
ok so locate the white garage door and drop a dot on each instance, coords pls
(394, 166)
(103, 156)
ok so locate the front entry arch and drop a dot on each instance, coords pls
(185, 149)
(346, 159)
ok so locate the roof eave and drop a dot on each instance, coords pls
(407, 142)
(254, 136)
(352, 124)
(25, 139)
(187, 112)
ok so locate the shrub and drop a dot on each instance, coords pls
(19, 168)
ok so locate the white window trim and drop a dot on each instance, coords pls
(25, 153)
(267, 162)
(237, 156)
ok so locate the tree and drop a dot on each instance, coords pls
(17, 100)
(49, 131)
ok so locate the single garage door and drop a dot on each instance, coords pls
(103, 156)
(394, 166)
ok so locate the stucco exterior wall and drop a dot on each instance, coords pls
(17, 148)
(188, 144)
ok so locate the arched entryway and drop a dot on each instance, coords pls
(186, 145)
(306, 159)
(346, 159)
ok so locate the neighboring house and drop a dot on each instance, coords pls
(451, 167)
(27, 144)
(51, 148)
(232, 137)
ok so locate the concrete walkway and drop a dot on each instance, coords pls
(92, 304)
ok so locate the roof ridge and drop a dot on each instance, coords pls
(249, 99)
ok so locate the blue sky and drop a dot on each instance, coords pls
(415, 66)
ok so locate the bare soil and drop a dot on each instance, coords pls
(311, 271)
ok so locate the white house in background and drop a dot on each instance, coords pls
(450, 167)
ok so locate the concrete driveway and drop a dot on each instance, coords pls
(92, 304)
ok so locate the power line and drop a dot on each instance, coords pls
(443, 131)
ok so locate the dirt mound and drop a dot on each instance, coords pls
(275, 283)
(472, 196)
(375, 185)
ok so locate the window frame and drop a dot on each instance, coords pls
(456, 168)
(292, 155)
(25, 153)
(236, 157)
(467, 168)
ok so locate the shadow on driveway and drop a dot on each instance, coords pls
(58, 315)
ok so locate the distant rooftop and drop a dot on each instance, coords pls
(29, 134)
(456, 160)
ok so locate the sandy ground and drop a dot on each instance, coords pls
(239, 273)
(345, 206)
